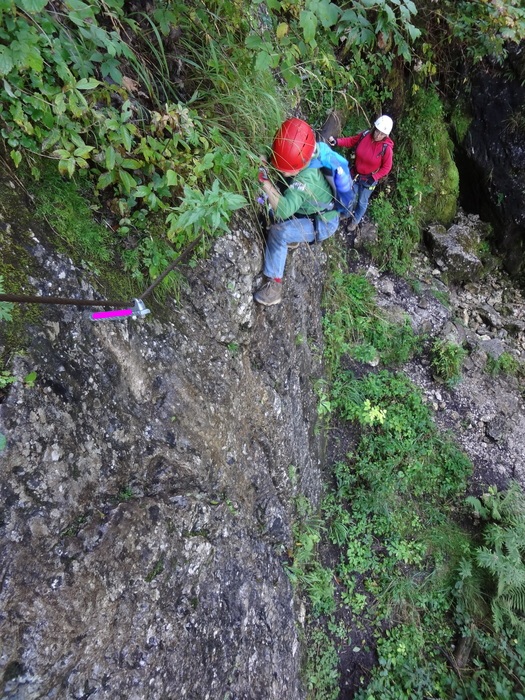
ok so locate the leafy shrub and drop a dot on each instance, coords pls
(298, 28)
(503, 555)
(410, 667)
(6, 378)
(80, 107)
(354, 325)
(497, 669)
(305, 570)
(427, 181)
(389, 515)
(486, 28)
(506, 363)
(447, 361)
(402, 453)
(321, 674)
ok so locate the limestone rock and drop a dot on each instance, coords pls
(450, 250)
(147, 490)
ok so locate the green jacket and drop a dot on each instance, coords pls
(308, 193)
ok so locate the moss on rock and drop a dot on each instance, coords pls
(435, 173)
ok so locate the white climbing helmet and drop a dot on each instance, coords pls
(384, 124)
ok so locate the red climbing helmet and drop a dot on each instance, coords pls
(293, 146)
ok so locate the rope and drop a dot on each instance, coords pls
(24, 299)
(177, 260)
(21, 299)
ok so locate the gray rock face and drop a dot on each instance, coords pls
(491, 159)
(485, 414)
(148, 485)
(452, 250)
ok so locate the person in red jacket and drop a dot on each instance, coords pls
(373, 160)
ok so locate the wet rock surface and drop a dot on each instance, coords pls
(491, 157)
(147, 487)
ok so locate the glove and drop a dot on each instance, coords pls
(263, 175)
(332, 141)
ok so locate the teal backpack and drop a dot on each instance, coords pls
(336, 170)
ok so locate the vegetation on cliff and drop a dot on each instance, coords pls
(157, 119)
(166, 112)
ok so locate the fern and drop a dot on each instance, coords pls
(503, 556)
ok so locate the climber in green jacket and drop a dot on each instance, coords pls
(303, 212)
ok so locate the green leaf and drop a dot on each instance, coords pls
(126, 137)
(142, 191)
(308, 23)
(76, 139)
(6, 62)
(106, 179)
(390, 14)
(30, 378)
(66, 166)
(413, 31)
(292, 79)
(403, 49)
(82, 151)
(87, 84)
(234, 201)
(411, 7)
(328, 13)
(263, 61)
(7, 87)
(34, 59)
(349, 17)
(61, 153)
(111, 157)
(131, 163)
(171, 178)
(126, 180)
(51, 139)
(32, 6)
(59, 104)
(282, 30)
(16, 157)
(254, 41)
(3, 442)
(110, 68)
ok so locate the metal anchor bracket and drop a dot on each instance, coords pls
(139, 310)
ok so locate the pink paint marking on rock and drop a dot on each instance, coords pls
(111, 314)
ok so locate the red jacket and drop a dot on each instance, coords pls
(368, 158)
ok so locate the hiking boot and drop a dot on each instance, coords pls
(352, 227)
(293, 246)
(270, 293)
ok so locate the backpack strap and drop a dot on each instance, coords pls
(361, 137)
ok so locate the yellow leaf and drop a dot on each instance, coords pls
(282, 30)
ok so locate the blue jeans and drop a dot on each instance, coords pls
(292, 231)
(361, 195)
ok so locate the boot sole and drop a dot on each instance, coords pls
(268, 303)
